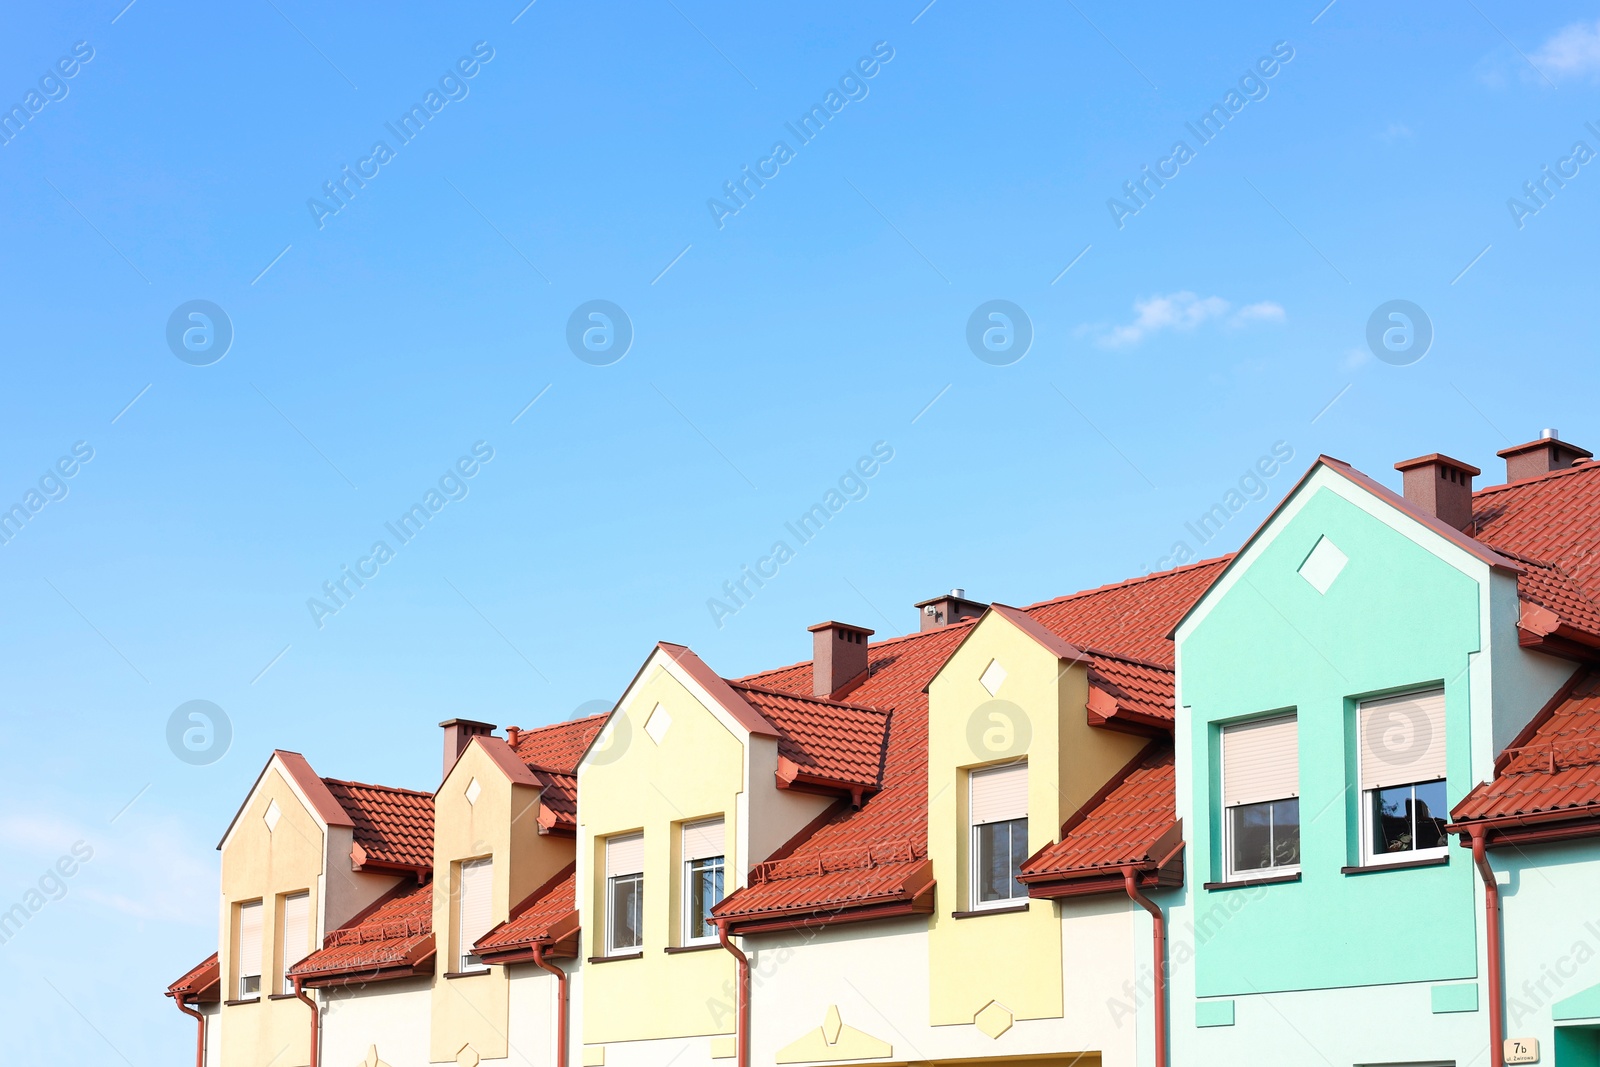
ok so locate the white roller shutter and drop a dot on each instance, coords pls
(476, 904)
(296, 932)
(250, 938)
(1261, 761)
(703, 840)
(1000, 794)
(624, 855)
(1402, 739)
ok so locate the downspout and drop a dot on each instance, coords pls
(741, 1037)
(561, 993)
(1491, 931)
(200, 1020)
(316, 1021)
(1158, 938)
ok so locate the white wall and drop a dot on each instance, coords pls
(393, 1015)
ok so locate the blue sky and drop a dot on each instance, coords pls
(375, 346)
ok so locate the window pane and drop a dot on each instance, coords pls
(704, 892)
(1001, 848)
(1431, 812)
(626, 909)
(1252, 836)
(1285, 833)
(1391, 820)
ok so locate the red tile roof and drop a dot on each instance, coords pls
(391, 827)
(1551, 525)
(559, 746)
(201, 984)
(876, 855)
(824, 741)
(552, 753)
(1132, 824)
(393, 938)
(1552, 772)
(548, 915)
(1130, 693)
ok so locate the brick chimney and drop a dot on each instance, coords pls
(838, 657)
(458, 733)
(944, 610)
(1548, 453)
(1441, 486)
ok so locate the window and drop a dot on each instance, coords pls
(1404, 809)
(1261, 797)
(475, 908)
(296, 935)
(249, 950)
(999, 806)
(703, 850)
(624, 894)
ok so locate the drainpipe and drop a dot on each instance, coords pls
(1491, 931)
(561, 992)
(200, 1020)
(316, 1021)
(741, 1037)
(1158, 937)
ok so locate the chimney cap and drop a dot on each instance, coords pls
(954, 594)
(831, 625)
(488, 727)
(1437, 459)
(1544, 442)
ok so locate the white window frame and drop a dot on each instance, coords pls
(612, 948)
(1255, 874)
(1018, 892)
(690, 868)
(1370, 858)
(242, 991)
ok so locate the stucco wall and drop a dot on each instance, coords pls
(1550, 906)
(695, 770)
(393, 1016)
(1397, 616)
(1037, 712)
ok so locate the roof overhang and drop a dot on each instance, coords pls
(915, 896)
(312, 791)
(1472, 547)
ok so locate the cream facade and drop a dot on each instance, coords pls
(289, 838)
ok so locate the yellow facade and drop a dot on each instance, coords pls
(695, 770)
(1009, 961)
(499, 821)
(265, 864)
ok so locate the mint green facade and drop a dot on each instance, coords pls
(1396, 618)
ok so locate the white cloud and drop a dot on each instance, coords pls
(1183, 311)
(1263, 311)
(1396, 131)
(1574, 50)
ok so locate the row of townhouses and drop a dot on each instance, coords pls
(1331, 800)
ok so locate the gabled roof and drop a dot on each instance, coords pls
(1548, 780)
(201, 984)
(872, 861)
(300, 775)
(1472, 546)
(392, 828)
(549, 916)
(391, 939)
(1130, 825)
